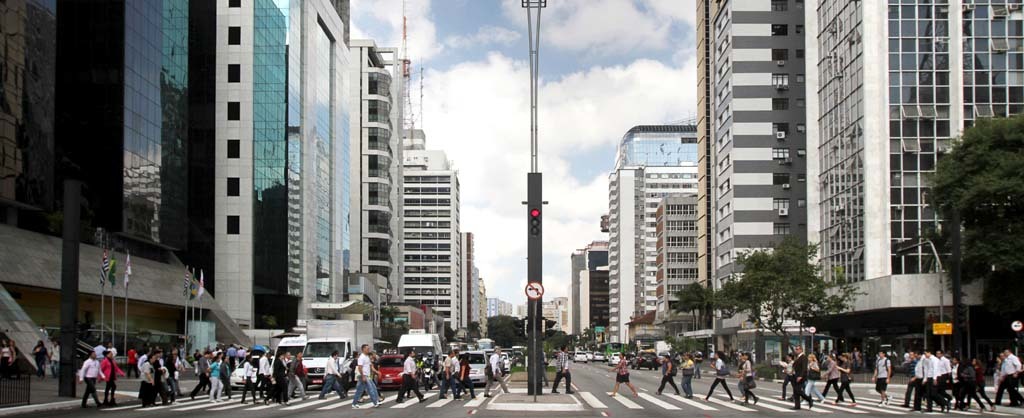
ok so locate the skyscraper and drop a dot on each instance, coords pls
(588, 298)
(652, 162)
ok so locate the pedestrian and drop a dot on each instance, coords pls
(203, 372)
(132, 366)
(445, 377)
(110, 372)
(55, 359)
(263, 374)
(1009, 377)
(979, 383)
(493, 372)
(175, 366)
(668, 374)
(249, 377)
(297, 376)
(883, 371)
(945, 375)
(279, 376)
(747, 382)
(41, 356)
(8, 355)
(698, 361)
(966, 388)
(799, 379)
(622, 376)
(931, 370)
(231, 352)
(721, 372)
(375, 375)
(464, 379)
(226, 368)
(364, 382)
(689, 370)
(832, 374)
(213, 373)
(544, 361)
(332, 377)
(845, 368)
(858, 360)
(454, 376)
(88, 374)
(787, 375)
(562, 371)
(409, 371)
(147, 388)
(813, 376)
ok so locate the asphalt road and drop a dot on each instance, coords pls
(593, 382)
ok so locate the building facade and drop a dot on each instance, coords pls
(469, 277)
(652, 162)
(497, 307)
(594, 313)
(557, 310)
(584, 260)
(678, 263)
(375, 157)
(432, 247)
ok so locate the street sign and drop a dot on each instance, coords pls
(942, 328)
(1017, 326)
(599, 329)
(812, 330)
(534, 290)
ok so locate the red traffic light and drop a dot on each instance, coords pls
(534, 212)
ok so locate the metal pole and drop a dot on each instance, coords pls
(69, 287)
(955, 277)
(126, 318)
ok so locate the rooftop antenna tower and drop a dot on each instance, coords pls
(408, 118)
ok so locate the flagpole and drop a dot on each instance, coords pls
(103, 304)
(126, 315)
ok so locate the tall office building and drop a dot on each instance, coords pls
(897, 83)
(705, 151)
(375, 156)
(584, 261)
(652, 162)
(432, 247)
(469, 278)
(281, 138)
(497, 307)
(758, 82)
(677, 259)
(557, 309)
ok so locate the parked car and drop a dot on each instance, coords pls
(477, 367)
(391, 366)
(580, 357)
(599, 356)
(642, 360)
(614, 359)
(590, 356)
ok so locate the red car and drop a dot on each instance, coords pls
(391, 371)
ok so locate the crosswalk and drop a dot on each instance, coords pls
(311, 404)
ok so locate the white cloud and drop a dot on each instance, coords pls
(376, 17)
(609, 27)
(478, 112)
(487, 35)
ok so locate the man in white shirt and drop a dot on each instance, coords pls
(1010, 370)
(454, 379)
(945, 372)
(493, 373)
(88, 374)
(364, 378)
(883, 373)
(332, 377)
(409, 378)
(101, 350)
(263, 375)
(931, 374)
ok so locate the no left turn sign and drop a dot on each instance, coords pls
(534, 290)
(1017, 326)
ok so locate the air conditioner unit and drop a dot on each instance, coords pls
(780, 135)
(1014, 6)
(785, 186)
(780, 62)
(783, 211)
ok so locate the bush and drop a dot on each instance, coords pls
(767, 371)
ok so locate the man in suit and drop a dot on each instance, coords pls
(800, 379)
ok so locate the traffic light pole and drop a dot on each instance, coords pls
(535, 202)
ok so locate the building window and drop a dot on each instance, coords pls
(799, 53)
(780, 178)
(800, 78)
(234, 35)
(801, 103)
(780, 204)
(233, 148)
(780, 103)
(801, 128)
(780, 127)
(780, 54)
(780, 81)
(780, 229)
(780, 30)
(234, 3)
(799, 28)
(233, 188)
(234, 73)
(233, 222)
(780, 5)
(234, 111)
(780, 153)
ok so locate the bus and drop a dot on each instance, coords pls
(484, 344)
(609, 348)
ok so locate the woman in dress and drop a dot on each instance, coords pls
(622, 376)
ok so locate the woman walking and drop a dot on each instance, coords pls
(249, 374)
(968, 387)
(297, 376)
(721, 371)
(831, 374)
(979, 383)
(42, 357)
(813, 376)
(668, 374)
(111, 372)
(747, 382)
(464, 378)
(171, 379)
(215, 383)
(147, 391)
(844, 380)
(689, 370)
(622, 376)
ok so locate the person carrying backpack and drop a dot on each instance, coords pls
(668, 373)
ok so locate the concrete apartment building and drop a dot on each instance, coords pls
(652, 162)
(470, 274)
(432, 247)
(677, 259)
(375, 155)
(497, 307)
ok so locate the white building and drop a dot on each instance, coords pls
(497, 307)
(652, 162)
(432, 250)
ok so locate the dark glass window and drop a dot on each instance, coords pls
(780, 30)
(233, 186)
(233, 223)
(233, 148)
(234, 3)
(234, 111)
(234, 73)
(234, 35)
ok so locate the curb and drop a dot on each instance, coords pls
(50, 406)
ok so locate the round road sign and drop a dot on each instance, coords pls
(534, 290)
(812, 330)
(1017, 326)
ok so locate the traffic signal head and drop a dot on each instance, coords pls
(534, 221)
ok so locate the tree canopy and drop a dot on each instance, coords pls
(983, 178)
(506, 331)
(696, 300)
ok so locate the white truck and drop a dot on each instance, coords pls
(324, 337)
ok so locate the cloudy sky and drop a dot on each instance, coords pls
(606, 66)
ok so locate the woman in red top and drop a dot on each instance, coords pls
(110, 370)
(133, 361)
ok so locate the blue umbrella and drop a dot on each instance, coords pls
(260, 348)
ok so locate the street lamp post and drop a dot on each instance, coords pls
(535, 202)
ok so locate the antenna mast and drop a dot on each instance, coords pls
(408, 117)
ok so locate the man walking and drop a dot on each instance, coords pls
(454, 382)
(202, 370)
(332, 377)
(445, 378)
(88, 374)
(493, 373)
(883, 370)
(364, 382)
(1010, 371)
(945, 372)
(931, 370)
(562, 371)
(263, 376)
(409, 379)
(800, 379)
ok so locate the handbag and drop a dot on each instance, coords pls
(723, 371)
(751, 383)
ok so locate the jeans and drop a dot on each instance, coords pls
(696, 370)
(295, 382)
(215, 387)
(331, 384)
(563, 374)
(812, 390)
(467, 383)
(687, 386)
(364, 385)
(453, 382)
(55, 368)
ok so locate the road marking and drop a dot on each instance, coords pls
(307, 404)
(604, 414)
(268, 406)
(764, 399)
(118, 408)
(626, 402)
(439, 403)
(224, 408)
(172, 405)
(659, 402)
(475, 402)
(884, 411)
(592, 400)
(407, 402)
(730, 405)
(644, 389)
(201, 405)
(692, 403)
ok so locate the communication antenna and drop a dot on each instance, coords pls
(421, 97)
(408, 117)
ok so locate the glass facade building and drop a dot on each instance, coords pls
(658, 145)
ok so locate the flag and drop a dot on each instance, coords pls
(202, 283)
(127, 268)
(193, 286)
(188, 282)
(112, 272)
(104, 268)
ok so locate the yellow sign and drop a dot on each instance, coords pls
(942, 328)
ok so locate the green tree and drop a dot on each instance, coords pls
(982, 178)
(506, 331)
(698, 301)
(780, 285)
(473, 330)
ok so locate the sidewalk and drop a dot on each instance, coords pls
(44, 395)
